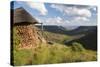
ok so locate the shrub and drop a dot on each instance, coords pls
(77, 47)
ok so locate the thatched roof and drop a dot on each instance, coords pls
(21, 16)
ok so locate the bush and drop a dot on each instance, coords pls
(77, 47)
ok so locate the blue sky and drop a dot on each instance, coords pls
(61, 14)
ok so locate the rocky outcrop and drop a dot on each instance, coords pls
(30, 36)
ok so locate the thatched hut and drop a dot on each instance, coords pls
(26, 29)
(22, 17)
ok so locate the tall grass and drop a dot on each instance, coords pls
(50, 54)
(22, 57)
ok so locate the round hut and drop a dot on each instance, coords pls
(24, 23)
(22, 17)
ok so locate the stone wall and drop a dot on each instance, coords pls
(30, 36)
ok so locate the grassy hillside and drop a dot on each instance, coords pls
(50, 54)
(55, 37)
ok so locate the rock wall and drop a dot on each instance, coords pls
(30, 36)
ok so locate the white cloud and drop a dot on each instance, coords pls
(38, 6)
(58, 7)
(84, 12)
(79, 14)
(52, 20)
(55, 20)
(67, 21)
(81, 19)
(58, 19)
(77, 21)
(72, 10)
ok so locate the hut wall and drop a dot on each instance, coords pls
(30, 36)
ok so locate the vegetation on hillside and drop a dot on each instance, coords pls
(58, 38)
(50, 54)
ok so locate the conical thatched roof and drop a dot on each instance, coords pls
(21, 16)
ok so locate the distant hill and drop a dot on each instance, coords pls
(53, 28)
(83, 30)
(63, 30)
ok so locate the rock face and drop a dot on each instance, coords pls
(30, 36)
